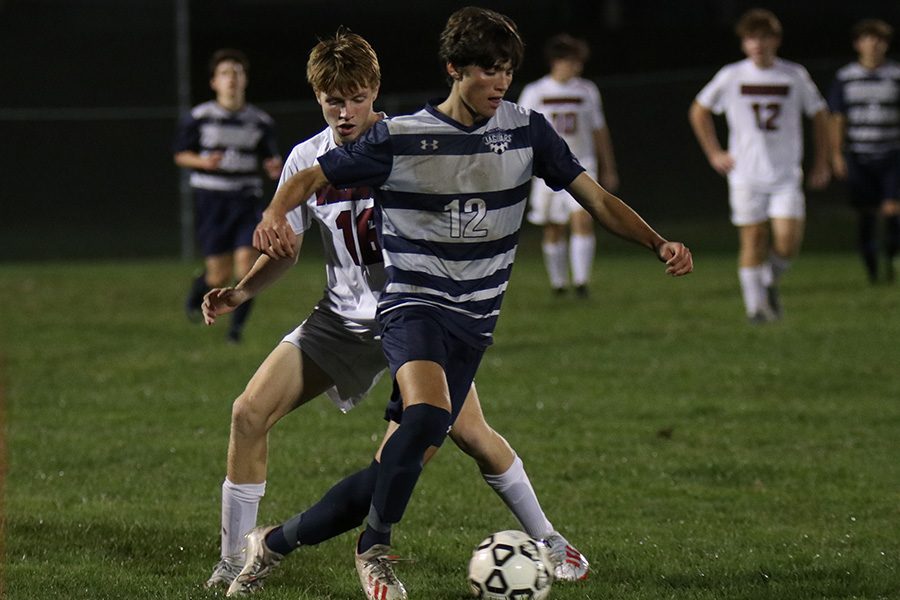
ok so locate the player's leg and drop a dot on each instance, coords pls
(553, 242)
(787, 237)
(286, 379)
(244, 259)
(582, 246)
(504, 471)
(890, 211)
(749, 213)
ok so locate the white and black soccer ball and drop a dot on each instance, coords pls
(510, 565)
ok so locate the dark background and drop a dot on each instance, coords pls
(88, 99)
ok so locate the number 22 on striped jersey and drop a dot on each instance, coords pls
(473, 213)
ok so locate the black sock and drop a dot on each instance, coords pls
(891, 242)
(423, 426)
(868, 246)
(198, 290)
(342, 508)
(239, 317)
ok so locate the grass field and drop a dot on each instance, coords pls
(688, 454)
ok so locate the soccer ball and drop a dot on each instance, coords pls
(510, 565)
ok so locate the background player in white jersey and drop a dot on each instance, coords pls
(764, 99)
(335, 349)
(865, 125)
(450, 187)
(225, 141)
(575, 109)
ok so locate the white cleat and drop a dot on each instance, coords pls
(260, 561)
(568, 563)
(376, 574)
(223, 574)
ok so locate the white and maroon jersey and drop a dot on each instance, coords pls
(575, 110)
(353, 262)
(764, 109)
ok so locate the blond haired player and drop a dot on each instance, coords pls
(574, 107)
(336, 350)
(764, 99)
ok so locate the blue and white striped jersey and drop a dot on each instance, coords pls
(449, 203)
(246, 137)
(870, 100)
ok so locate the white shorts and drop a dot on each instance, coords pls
(548, 206)
(354, 361)
(751, 205)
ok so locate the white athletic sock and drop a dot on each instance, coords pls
(240, 502)
(779, 266)
(753, 288)
(515, 489)
(557, 263)
(581, 257)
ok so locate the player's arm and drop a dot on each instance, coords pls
(262, 275)
(192, 160)
(837, 125)
(701, 121)
(820, 174)
(618, 218)
(609, 172)
(273, 235)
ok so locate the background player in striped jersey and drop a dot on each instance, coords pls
(865, 124)
(225, 141)
(764, 99)
(451, 184)
(574, 108)
(335, 350)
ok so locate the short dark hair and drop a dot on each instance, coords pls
(564, 46)
(874, 27)
(758, 21)
(482, 37)
(231, 54)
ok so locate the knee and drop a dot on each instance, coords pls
(247, 416)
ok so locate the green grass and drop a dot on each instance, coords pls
(688, 454)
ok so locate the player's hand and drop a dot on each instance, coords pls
(677, 257)
(839, 166)
(819, 176)
(272, 166)
(274, 236)
(722, 162)
(211, 161)
(221, 301)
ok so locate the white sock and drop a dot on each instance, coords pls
(581, 256)
(515, 489)
(753, 288)
(556, 262)
(240, 502)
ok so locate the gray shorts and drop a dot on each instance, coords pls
(354, 361)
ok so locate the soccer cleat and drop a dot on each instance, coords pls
(581, 291)
(234, 336)
(260, 562)
(223, 574)
(568, 563)
(376, 574)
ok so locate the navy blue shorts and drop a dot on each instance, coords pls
(873, 178)
(418, 333)
(225, 221)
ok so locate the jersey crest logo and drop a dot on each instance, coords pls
(497, 140)
(429, 145)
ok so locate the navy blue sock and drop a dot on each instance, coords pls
(423, 426)
(868, 245)
(239, 317)
(198, 290)
(342, 508)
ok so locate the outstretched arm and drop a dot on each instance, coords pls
(618, 218)
(273, 235)
(265, 272)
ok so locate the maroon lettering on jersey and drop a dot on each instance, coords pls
(765, 90)
(329, 194)
(562, 100)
